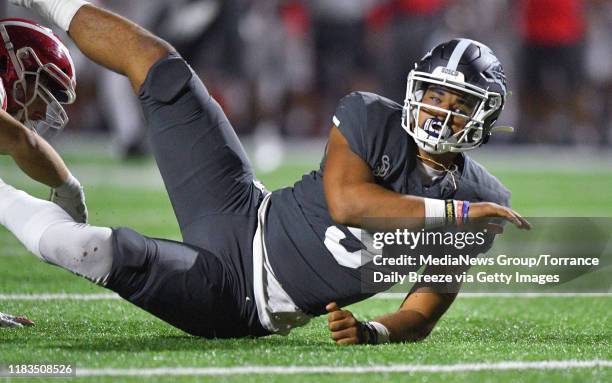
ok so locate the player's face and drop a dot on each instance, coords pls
(461, 104)
(36, 105)
(37, 109)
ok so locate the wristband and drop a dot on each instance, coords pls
(435, 214)
(374, 333)
(450, 212)
(465, 211)
(456, 211)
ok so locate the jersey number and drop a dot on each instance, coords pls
(344, 257)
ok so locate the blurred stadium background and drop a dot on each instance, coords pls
(279, 68)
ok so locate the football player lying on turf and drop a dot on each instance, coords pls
(255, 263)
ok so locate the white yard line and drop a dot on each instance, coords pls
(295, 370)
(505, 295)
(383, 296)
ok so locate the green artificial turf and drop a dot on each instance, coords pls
(114, 334)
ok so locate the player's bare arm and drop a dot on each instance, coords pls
(417, 315)
(413, 321)
(117, 43)
(105, 37)
(31, 152)
(353, 195)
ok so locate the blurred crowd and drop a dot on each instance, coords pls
(278, 67)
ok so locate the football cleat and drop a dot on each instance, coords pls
(36, 65)
(466, 67)
(13, 321)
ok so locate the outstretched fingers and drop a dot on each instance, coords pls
(517, 219)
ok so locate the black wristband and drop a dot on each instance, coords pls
(367, 333)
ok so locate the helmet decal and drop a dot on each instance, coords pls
(458, 52)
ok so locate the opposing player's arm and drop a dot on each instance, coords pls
(42, 163)
(352, 194)
(31, 152)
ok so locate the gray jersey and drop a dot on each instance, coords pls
(305, 246)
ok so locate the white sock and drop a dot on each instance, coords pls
(60, 12)
(28, 217)
(48, 232)
(83, 249)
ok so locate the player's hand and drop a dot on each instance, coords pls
(489, 209)
(345, 329)
(73, 203)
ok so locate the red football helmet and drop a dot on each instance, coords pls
(35, 64)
